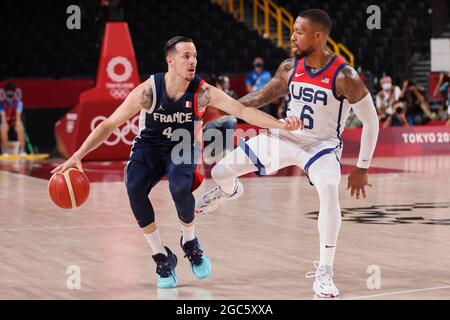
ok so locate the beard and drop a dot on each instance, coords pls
(302, 54)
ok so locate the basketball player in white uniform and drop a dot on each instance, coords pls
(322, 90)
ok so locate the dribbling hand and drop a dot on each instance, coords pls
(73, 161)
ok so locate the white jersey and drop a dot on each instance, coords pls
(313, 99)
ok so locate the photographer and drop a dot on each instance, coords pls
(417, 108)
(398, 118)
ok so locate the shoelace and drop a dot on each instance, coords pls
(324, 277)
(163, 269)
(195, 256)
(213, 194)
(313, 274)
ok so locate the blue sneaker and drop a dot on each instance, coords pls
(165, 269)
(200, 264)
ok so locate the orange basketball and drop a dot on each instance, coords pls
(70, 189)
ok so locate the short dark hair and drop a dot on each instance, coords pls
(319, 17)
(170, 45)
(9, 87)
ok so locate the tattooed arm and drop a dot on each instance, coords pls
(275, 88)
(140, 97)
(352, 88)
(204, 96)
(209, 95)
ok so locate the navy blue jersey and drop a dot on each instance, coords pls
(158, 125)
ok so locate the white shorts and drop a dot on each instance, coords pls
(278, 149)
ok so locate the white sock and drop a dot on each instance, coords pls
(188, 233)
(154, 240)
(327, 252)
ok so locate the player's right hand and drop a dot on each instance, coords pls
(73, 161)
(357, 181)
(292, 123)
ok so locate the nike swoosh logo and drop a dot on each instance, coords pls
(365, 160)
(299, 74)
(328, 247)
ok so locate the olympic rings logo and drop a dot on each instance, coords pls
(119, 93)
(128, 69)
(119, 134)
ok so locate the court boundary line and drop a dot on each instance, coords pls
(397, 292)
(91, 227)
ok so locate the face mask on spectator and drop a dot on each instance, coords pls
(386, 86)
(10, 95)
(259, 65)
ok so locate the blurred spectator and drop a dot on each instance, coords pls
(223, 82)
(11, 119)
(352, 120)
(443, 87)
(442, 113)
(282, 107)
(256, 79)
(417, 108)
(386, 97)
(368, 78)
(361, 73)
(398, 117)
(225, 121)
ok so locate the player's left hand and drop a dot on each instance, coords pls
(357, 182)
(292, 123)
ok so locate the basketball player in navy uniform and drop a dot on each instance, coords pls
(322, 90)
(171, 104)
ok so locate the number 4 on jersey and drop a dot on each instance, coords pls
(168, 132)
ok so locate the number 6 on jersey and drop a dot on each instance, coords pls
(306, 113)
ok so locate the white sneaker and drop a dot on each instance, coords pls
(211, 200)
(323, 284)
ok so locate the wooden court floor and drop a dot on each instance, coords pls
(393, 245)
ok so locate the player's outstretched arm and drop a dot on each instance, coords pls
(275, 88)
(209, 95)
(140, 97)
(350, 86)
